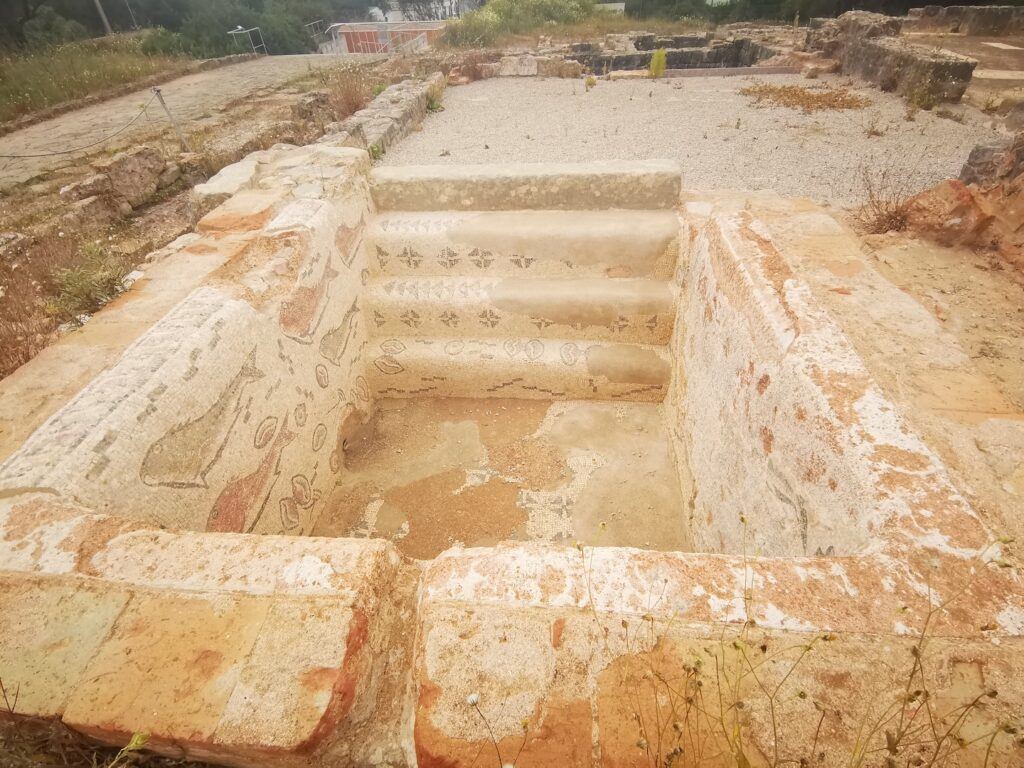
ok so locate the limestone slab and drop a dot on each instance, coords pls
(650, 184)
(50, 629)
(168, 668)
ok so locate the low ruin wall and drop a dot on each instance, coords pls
(868, 45)
(230, 412)
(742, 52)
(225, 416)
(923, 75)
(989, 20)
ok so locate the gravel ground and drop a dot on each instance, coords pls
(720, 138)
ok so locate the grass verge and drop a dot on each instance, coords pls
(34, 80)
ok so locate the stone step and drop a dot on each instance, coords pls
(525, 243)
(595, 308)
(529, 368)
(631, 184)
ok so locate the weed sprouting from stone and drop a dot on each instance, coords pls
(658, 63)
(473, 700)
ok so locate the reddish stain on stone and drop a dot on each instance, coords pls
(208, 662)
(318, 678)
(343, 694)
(556, 633)
(762, 384)
(767, 439)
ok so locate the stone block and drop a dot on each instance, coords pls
(244, 212)
(948, 213)
(169, 668)
(96, 184)
(90, 213)
(649, 184)
(133, 174)
(170, 175)
(985, 162)
(518, 66)
(226, 182)
(49, 631)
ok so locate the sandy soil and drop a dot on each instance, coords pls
(432, 473)
(973, 295)
(719, 137)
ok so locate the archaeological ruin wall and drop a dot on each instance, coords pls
(154, 528)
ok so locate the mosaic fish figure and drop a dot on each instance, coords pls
(185, 453)
(301, 312)
(336, 341)
(251, 491)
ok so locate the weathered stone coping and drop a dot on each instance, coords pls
(262, 650)
(636, 185)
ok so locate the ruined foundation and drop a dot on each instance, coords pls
(408, 438)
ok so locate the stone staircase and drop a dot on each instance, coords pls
(522, 281)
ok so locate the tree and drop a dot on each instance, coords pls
(15, 14)
(428, 10)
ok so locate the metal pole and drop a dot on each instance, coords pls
(103, 17)
(135, 24)
(177, 130)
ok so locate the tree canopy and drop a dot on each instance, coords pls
(741, 10)
(200, 25)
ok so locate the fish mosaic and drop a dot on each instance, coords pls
(250, 492)
(183, 456)
(303, 310)
(335, 342)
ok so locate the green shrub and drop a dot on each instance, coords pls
(48, 27)
(476, 28)
(658, 63)
(515, 17)
(161, 42)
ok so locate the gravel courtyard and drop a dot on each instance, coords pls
(717, 134)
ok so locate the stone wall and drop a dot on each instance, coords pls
(923, 75)
(867, 45)
(989, 20)
(741, 52)
(649, 42)
(230, 413)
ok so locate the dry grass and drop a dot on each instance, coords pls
(49, 281)
(48, 743)
(96, 277)
(39, 79)
(600, 24)
(887, 202)
(806, 99)
(25, 278)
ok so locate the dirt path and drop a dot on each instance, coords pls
(188, 97)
